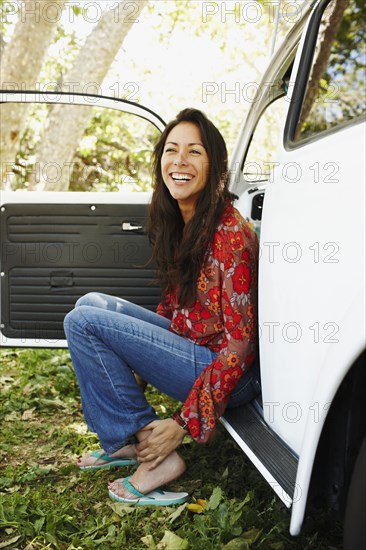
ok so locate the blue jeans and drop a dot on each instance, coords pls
(109, 339)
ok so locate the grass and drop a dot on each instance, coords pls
(46, 502)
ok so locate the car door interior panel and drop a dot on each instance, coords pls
(54, 253)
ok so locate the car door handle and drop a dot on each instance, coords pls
(132, 226)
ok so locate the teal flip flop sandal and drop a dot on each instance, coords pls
(158, 497)
(110, 461)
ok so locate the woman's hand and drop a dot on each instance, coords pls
(166, 435)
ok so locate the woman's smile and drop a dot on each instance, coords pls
(181, 178)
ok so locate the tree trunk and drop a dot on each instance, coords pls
(21, 64)
(66, 124)
(331, 22)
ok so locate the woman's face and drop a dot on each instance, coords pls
(185, 166)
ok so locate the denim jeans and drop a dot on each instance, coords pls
(109, 339)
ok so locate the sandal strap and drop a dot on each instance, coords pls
(130, 488)
(100, 454)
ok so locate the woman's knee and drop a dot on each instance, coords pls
(74, 319)
(94, 299)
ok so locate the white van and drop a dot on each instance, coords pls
(299, 171)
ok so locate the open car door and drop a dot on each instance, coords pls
(57, 246)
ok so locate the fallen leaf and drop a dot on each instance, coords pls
(236, 544)
(9, 542)
(177, 512)
(14, 489)
(149, 542)
(215, 499)
(251, 535)
(5, 380)
(55, 403)
(11, 417)
(120, 508)
(195, 508)
(28, 414)
(171, 541)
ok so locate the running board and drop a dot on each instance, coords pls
(276, 462)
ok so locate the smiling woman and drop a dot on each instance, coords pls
(199, 348)
(185, 166)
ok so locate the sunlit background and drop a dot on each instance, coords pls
(177, 54)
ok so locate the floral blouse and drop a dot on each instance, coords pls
(223, 318)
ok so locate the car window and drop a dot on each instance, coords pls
(75, 148)
(267, 137)
(335, 92)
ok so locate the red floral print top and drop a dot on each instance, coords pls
(223, 318)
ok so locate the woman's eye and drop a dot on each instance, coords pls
(170, 150)
(195, 152)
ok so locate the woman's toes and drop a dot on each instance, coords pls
(120, 490)
(86, 460)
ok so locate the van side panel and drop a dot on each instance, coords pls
(335, 367)
(313, 231)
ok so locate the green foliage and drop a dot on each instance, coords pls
(340, 93)
(114, 153)
(46, 502)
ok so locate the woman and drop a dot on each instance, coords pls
(200, 346)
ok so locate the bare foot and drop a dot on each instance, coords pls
(145, 480)
(128, 451)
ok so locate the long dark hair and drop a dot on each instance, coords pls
(179, 250)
